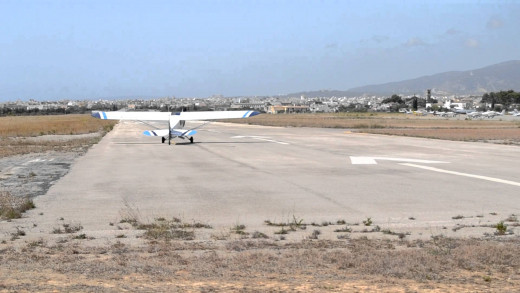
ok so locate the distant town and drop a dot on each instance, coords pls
(271, 104)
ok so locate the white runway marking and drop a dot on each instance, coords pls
(34, 161)
(261, 138)
(497, 180)
(372, 160)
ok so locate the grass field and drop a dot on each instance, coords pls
(356, 265)
(19, 135)
(491, 130)
(26, 126)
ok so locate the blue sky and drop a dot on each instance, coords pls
(96, 49)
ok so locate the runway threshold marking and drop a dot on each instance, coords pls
(260, 138)
(497, 180)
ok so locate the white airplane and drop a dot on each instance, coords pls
(491, 114)
(516, 113)
(474, 114)
(176, 120)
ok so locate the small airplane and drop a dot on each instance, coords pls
(445, 114)
(491, 114)
(176, 120)
(474, 114)
(516, 113)
(463, 111)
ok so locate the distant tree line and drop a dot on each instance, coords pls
(353, 108)
(393, 99)
(23, 111)
(413, 102)
(506, 98)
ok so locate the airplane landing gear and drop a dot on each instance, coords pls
(191, 139)
(163, 139)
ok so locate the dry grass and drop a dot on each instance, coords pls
(371, 120)
(19, 146)
(503, 135)
(440, 264)
(17, 134)
(502, 131)
(26, 126)
(12, 207)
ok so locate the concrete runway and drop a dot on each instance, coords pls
(241, 174)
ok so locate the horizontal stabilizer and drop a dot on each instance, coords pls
(157, 132)
(183, 132)
(175, 132)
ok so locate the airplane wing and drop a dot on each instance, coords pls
(144, 116)
(165, 116)
(213, 115)
(174, 120)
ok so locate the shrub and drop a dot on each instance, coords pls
(501, 228)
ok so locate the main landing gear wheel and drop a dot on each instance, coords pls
(191, 139)
(163, 139)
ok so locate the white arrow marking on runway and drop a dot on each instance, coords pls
(261, 138)
(463, 174)
(372, 160)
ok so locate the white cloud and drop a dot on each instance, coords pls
(472, 43)
(494, 23)
(414, 42)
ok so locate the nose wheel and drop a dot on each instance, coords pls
(191, 139)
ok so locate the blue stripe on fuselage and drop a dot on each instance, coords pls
(104, 115)
(245, 115)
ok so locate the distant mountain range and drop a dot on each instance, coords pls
(501, 76)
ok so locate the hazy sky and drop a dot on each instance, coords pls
(94, 49)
